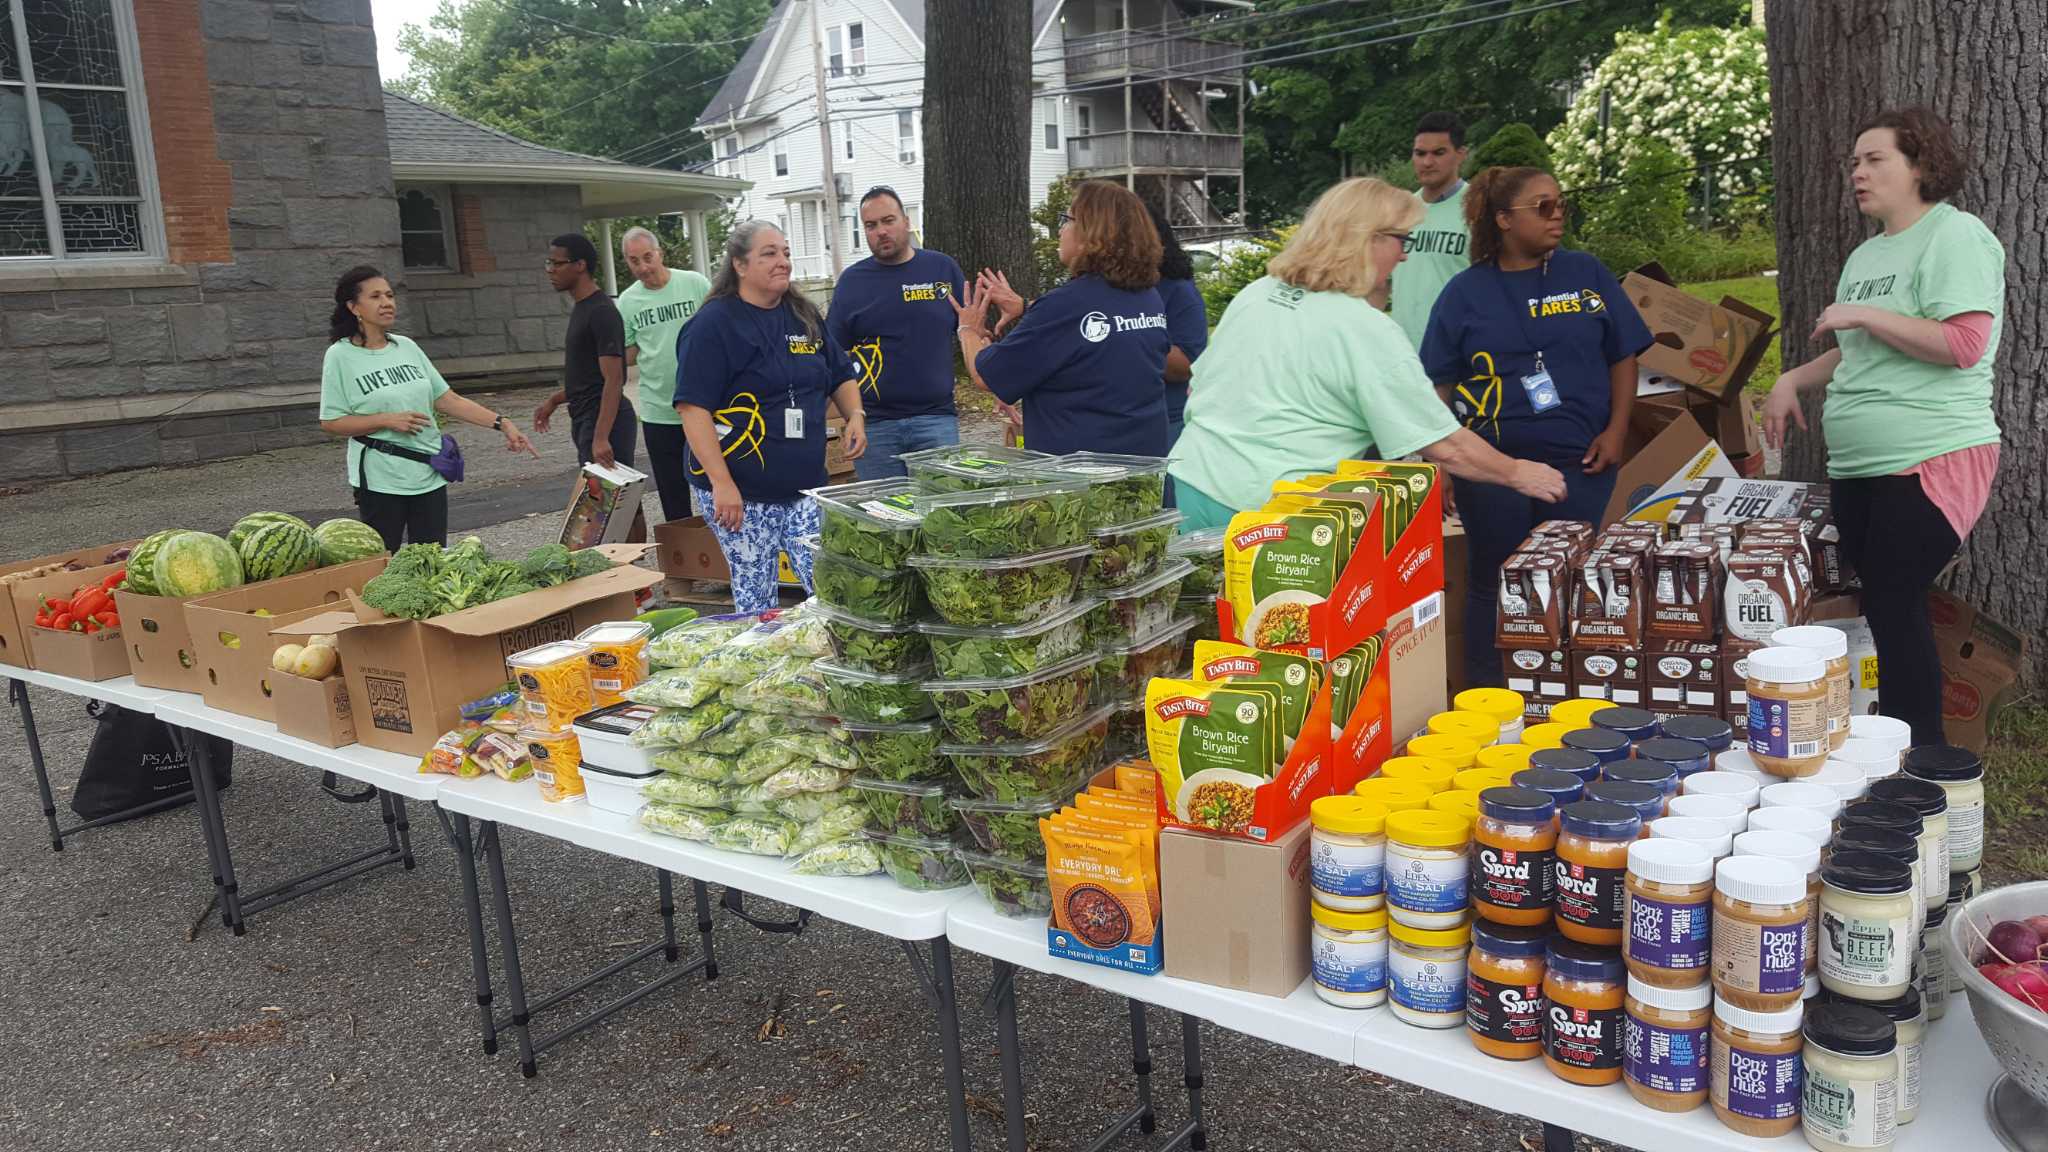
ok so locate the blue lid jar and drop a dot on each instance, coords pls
(1516, 940)
(1598, 820)
(1646, 799)
(1516, 805)
(1634, 723)
(1655, 773)
(1562, 787)
(1712, 731)
(1568, 959)
(1576, 761)
(1686, 756)
(1604, 743)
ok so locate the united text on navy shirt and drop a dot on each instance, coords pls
(1487, 327)
(747, 365)
(896, 321)
(1088, 361)
(1187, 326)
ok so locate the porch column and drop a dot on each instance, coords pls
(610, 259)
(700, 244)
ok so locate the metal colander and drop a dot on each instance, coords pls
(2016, 1034)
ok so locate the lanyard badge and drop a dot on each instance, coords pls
(1541, 389)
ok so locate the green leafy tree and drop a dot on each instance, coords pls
(1514, 146)
(1045, 233)
(1361, 103)
(603, 77)
(1244, 263)
(1631, 221)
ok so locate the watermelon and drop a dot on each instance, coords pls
(254, 520)
(141, 574)
(342, 540)
(195, 564)
(277, 549)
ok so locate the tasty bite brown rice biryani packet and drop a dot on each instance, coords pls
(1296, 678)
(1276, 567)
(1214, 745)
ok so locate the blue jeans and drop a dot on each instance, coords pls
(888, 439)
(1496, 519)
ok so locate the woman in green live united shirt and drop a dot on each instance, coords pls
(1912, 442)
(378, 385)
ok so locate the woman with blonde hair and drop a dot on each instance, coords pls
(1306, 370)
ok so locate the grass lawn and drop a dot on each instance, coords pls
(1759, 292)
(2016, 796)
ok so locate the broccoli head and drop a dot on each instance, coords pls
(588, 562)
(400, 593)
(547, 565)
(420, 560)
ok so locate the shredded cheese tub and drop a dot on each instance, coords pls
(557, 763)
(554, 683)
(618, 658)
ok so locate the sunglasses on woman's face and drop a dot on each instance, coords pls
(1065, 219)
(1546, 207)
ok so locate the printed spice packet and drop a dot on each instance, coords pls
(1214, 745)
(1277, 566)
(1296, 678)
(1102, 882)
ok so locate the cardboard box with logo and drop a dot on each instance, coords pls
(1542, 675)
(100, 655)
(1684, 676)
(1980, 662)
(602, 505)
(15, 625)
(1616, 675)
(231, 631)
(408, 679)
(1239, 909)
(1668, 449)
(1709, 349)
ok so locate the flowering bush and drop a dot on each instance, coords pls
(1242, 264)
(1703, 93)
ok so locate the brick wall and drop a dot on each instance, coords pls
(192, 180)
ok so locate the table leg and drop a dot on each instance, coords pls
(1191, 1051)
(943, 995)
(1557, 1139)
(17, 694)
(1141, 1067)
(1003, 993)
(456, 828)
(508, 944)
(669, 950)
(703, 892)
(213, 821)
(404, 827)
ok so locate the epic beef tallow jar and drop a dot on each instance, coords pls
(1788, 711)
(1850, 1101)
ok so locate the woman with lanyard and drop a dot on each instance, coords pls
(754, 372)
(1536, 347)
(1912, 441)
(1088, 360)
(380, 392)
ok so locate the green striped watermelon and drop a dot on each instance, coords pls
(195, 564)
(277, 549)
(342, 540)
(254, 520)
(141, 570)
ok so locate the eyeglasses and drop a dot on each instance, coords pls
(1066, 218)
(1401, 236)
(1546, 207)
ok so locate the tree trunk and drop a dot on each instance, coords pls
(977, 135)
(1977, 64)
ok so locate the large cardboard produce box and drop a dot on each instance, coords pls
(231, 631)
(1980, 662)
(14, 626)
(1240, 910)
(316, 711)
(101, 655)
(1668, 450)
(687, 550)
(408, 679)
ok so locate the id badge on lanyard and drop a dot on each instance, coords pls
(1541, 389)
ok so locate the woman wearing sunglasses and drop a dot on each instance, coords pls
(1535, 347)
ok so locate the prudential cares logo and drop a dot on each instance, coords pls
(1095, 327)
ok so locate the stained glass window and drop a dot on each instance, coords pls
(71, 179)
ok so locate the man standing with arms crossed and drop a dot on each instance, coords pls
(1438, 248)
(593, 365)
(655, 307)
(892, 313)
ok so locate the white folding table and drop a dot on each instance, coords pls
(123, 691)
(916, 920)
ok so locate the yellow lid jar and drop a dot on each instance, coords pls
(1347, 853)
(1434, 775)
(1477, 727)
(1460, 752)
(1503, 705)
(1428, 868)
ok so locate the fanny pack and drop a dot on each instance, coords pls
(447, 463)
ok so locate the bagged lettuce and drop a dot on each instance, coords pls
(683, 726)
(686, 645)
(680, 822)
(840, 858)
(755, 835)
(837, 824)
(694, 765)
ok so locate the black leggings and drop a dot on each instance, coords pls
(1898, 541)
(668, 458)
(421, 519)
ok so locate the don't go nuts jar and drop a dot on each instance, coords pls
(1759, 932)
(1754, 1069)
(1670, 906)
(1664, 1045)
(1788, 711)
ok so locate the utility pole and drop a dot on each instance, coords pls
(831, 207)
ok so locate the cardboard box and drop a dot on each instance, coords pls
(233, 644)
(316, 711)
(1241, 908)
(1734, 684)
(1844, 610)
(837, 466)
(602, 505)
(1981, 660)
(14, 625)
(160, 649)
(1613, 674)
(1416, 655)
(1684, 676)
(1708, 348)
(1542, 675)
(407, 679)
(1659, 470)
(687, 550)
(80, 655)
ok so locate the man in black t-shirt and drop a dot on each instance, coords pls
(601, 423)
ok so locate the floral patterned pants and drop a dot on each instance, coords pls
(766, 530)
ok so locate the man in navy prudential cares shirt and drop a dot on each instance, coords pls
(892, 312)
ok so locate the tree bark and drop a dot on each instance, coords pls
(1978, 64)
(977, 135)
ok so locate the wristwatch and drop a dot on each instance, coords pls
(497, 423)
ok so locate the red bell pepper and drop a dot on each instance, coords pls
(61, 621)
(113, 579)
(43, 619)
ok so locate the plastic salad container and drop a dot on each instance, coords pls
(872, 521)
(1008, 829)
(1204, 550)
(1013, 520)
(1010, 650)
(1126, 736)
(605, 738)
(962, 467)
(876, 645)
(1128, 553)
(858, 588)
(876, 697)
(1033, 769)
(1128, 615)
(996, 710)
(899, 751)
(989, 593)
(1017, 889)
(1123, 670)
(907, 807)
(1121, 488)
(1208, 626)
(917, 863)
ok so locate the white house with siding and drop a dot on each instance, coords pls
(1124, 89)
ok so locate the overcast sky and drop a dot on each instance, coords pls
(391, 15)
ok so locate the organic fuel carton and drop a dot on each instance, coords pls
(408, 679)
(231, 631)
(15, 624)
